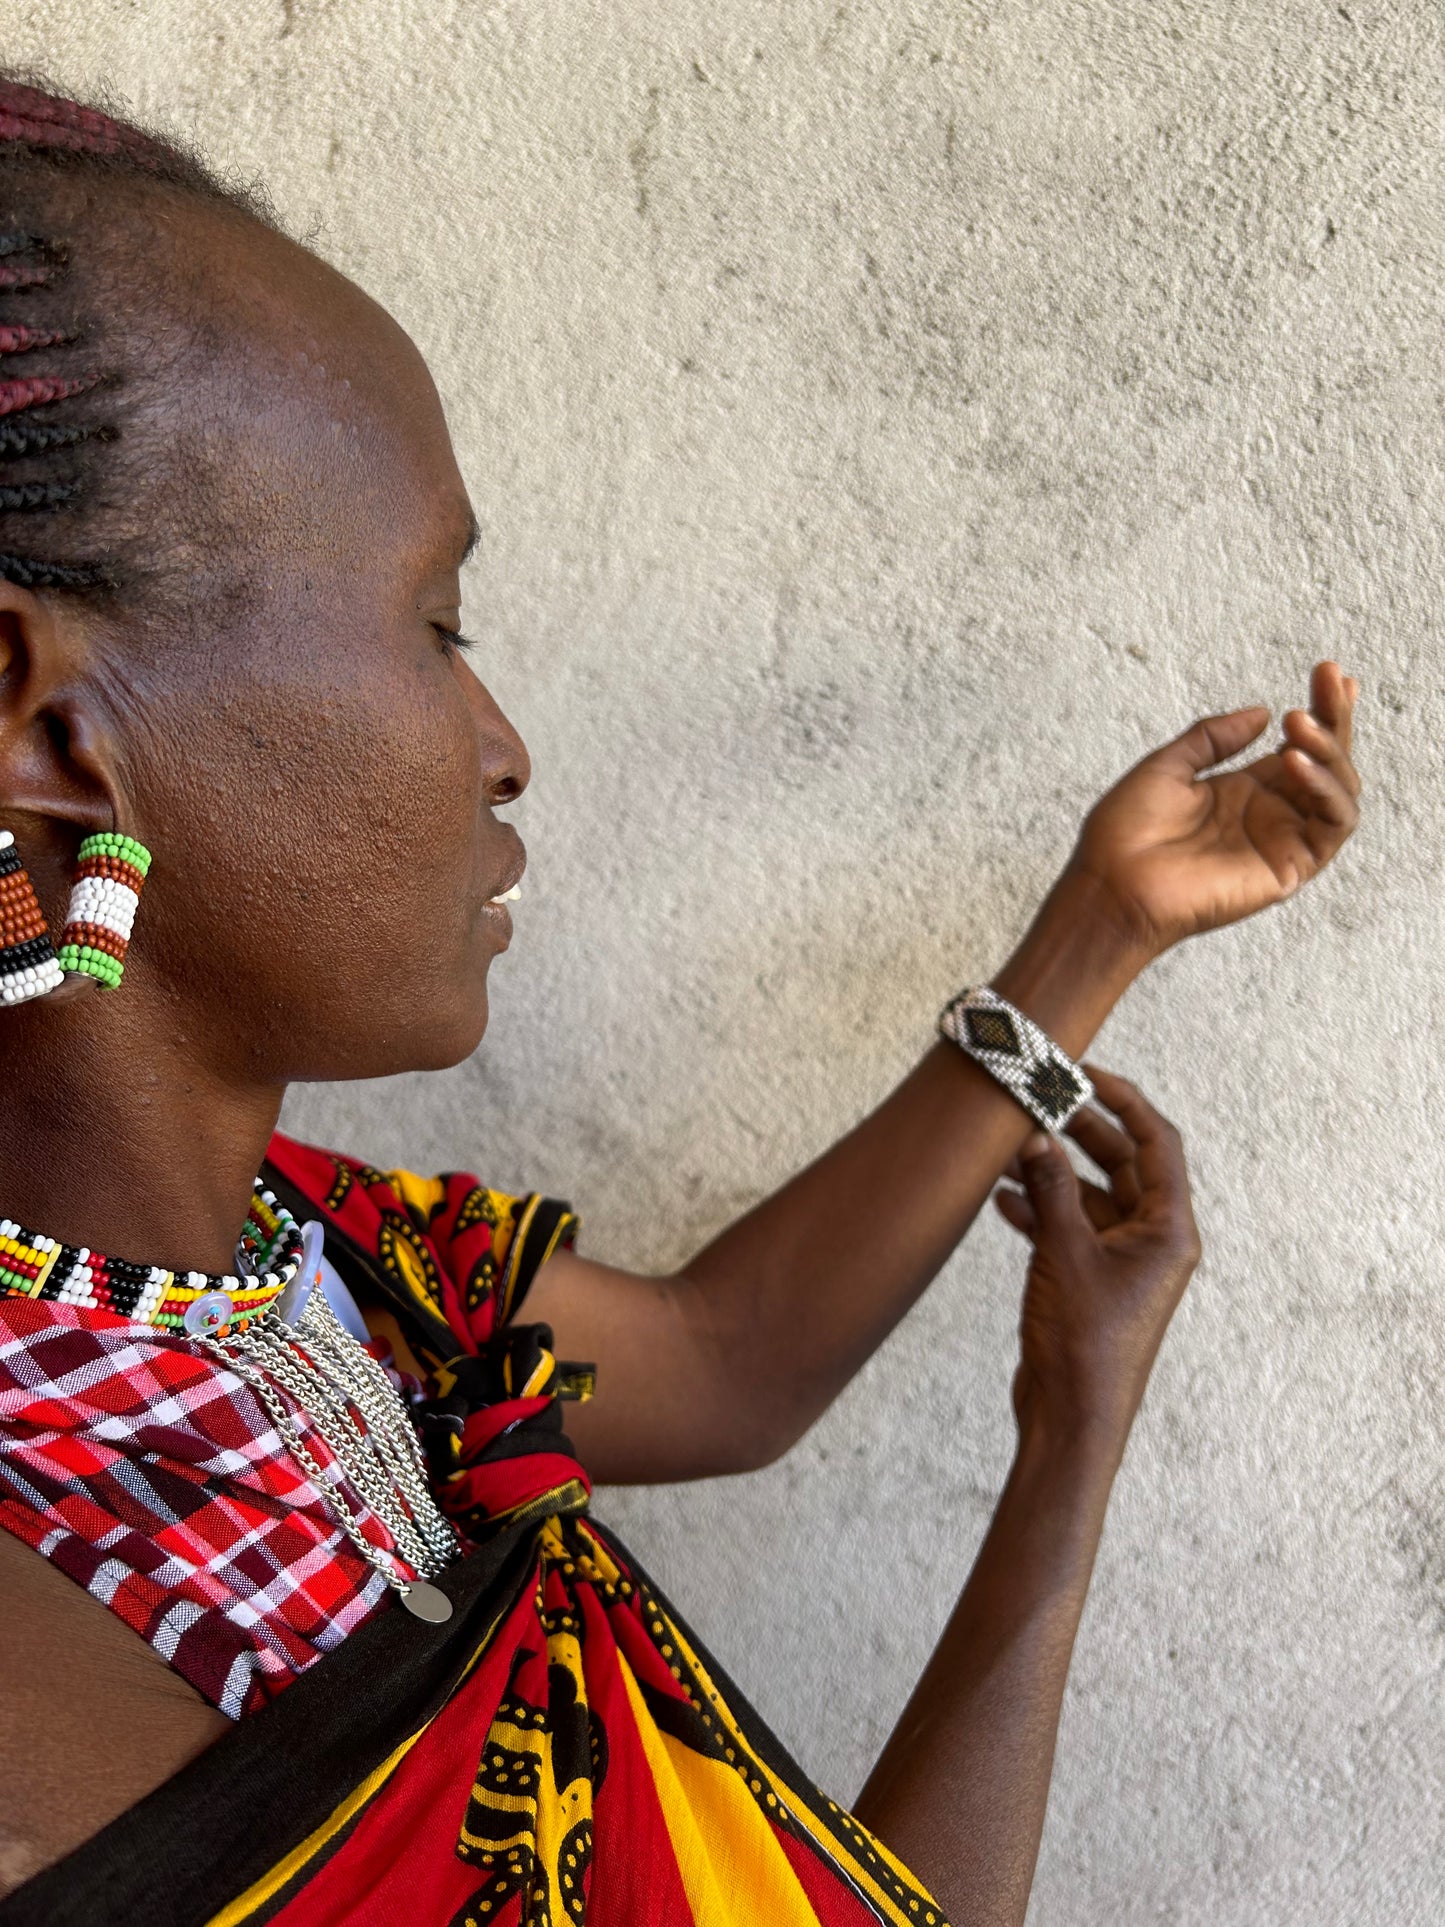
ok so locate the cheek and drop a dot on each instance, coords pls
(345, 831)
(399, 805)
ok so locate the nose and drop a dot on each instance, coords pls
(506, 766)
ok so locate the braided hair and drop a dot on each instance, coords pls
(65, 363)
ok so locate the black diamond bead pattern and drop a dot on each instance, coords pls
(993, 1030)
(1055, 1088)
(1032, 1067)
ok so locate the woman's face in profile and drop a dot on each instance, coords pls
(325, 849)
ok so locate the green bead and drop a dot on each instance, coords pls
(90, 962)
(114, 843)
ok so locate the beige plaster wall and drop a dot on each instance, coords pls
(887, 423)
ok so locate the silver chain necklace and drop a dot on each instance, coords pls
(383, 1460)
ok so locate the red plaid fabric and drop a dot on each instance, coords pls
(154, 1477)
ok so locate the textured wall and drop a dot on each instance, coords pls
(886, 426)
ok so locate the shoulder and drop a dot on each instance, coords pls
(489, 1240)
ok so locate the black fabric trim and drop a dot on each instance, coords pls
(289, 1766)
(524, 1259)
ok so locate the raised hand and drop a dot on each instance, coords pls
(1109, 1264)
(1182, 853)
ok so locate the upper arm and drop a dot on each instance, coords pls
(667, 1404)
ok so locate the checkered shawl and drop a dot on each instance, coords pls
(154, 1477)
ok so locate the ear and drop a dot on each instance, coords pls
(58, 760)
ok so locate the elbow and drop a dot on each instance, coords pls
(759, 1448)
(748, 1416)
(769, 1437)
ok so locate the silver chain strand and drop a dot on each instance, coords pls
(383, 1461)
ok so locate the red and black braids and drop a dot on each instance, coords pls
(62, 377)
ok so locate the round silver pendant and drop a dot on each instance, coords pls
(209, 1314)
(427, 1602)
(293, 1300)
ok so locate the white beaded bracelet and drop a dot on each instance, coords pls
(1012, 1048)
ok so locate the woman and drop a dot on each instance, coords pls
(232, 530)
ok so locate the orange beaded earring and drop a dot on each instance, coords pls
(28, 965)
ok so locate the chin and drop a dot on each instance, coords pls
(444, 1046)
(431, 1022)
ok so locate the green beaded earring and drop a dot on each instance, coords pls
(109, 872)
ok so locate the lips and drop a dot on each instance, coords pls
(507, 889)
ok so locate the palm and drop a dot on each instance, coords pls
(1183, 853)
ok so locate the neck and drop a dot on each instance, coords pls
(116, 1132)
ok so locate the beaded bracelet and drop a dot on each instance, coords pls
(109, 872)
(196, 1302)
(1012, 1048)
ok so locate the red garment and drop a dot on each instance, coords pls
(562, 1749)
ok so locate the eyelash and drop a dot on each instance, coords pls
(453, 640)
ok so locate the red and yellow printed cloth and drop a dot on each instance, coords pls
(564, 1749)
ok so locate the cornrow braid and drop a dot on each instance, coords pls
(43, 119)
(37, 495)
(28, 261)
(55, 415)
(50, 575)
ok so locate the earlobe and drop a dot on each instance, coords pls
(57, 756)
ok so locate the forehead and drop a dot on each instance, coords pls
(339, 436)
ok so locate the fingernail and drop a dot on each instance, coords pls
(1036, 1144)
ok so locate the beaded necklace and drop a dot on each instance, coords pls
(268, 1253)
(295, 1342)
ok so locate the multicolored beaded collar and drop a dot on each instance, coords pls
(268, 1252)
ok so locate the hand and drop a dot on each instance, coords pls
(1109, 1265)
(1179, 855)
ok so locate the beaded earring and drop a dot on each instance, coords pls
(28, 965)
(109, 872)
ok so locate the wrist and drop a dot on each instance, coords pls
(1078, 1448)
(1075, 961)
(1110, 915)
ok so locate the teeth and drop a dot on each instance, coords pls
(508, 896)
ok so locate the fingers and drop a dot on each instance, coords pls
(1210, 740)
(1052, 1187)
(1159, 1156)
(1324, 796)
(1098, 1208)
(1016, 1209)
(1322, 746)
(1110, 1149)
(1332, 697)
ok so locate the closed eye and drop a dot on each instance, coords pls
(453, 639)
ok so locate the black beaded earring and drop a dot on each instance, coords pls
(28, 964)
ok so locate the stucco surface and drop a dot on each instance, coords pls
(887, 423)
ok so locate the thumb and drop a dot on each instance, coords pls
(1210, 740)
(1049, 1180)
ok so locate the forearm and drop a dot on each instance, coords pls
(805, 1287)
(960, 1791)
